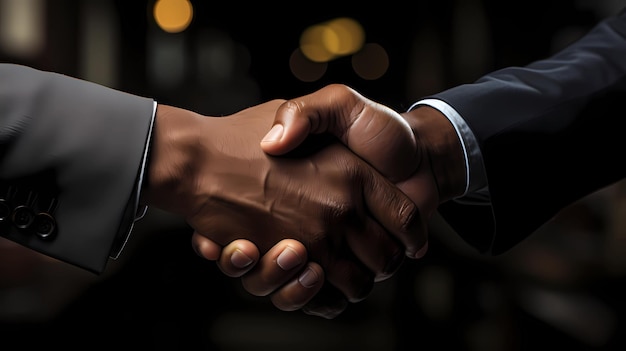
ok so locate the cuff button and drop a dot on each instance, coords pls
(5, 211)
(45, 225)
(23, 217)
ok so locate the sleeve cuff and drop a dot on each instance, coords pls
(134, 212)
(475, 176)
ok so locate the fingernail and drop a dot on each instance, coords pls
(394, 263)
(288, 259)
(421, 252)
(308, 278)
(275, 134)
(240, 259)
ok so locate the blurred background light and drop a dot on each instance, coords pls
(312, 44)
(304, 69)
(173, 16)
(99, 43)
(22, 24)
(217, 57)
(371, 62)
(344, 36)
(167, 62)
(332, 39)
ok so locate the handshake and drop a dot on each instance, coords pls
(310, 200)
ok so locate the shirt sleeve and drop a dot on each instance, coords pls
(476, 187)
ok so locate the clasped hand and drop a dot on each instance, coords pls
(347, 214)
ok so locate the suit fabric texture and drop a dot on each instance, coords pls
(549, 134)
(70, 156)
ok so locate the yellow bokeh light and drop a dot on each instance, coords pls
(347, 36)
(328, 40)
(312, 46)
(173, 16)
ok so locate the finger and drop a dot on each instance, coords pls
(351, 278)
(205, 247)
(238, 258)
(379, 251)
(296, 293)
(328, 303)
(396, 213)
(371, 130)
(280, 264)
(422, 189)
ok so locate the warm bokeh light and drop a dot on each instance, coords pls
(371, 62)
(323, 42)
(311, 44)
(99, 43)
(173, 16)
(329, 40)
(22, 27)
(347, 36)
(305, 69)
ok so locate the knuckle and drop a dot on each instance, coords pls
(291, 106)
(408, 217)
(341, 210)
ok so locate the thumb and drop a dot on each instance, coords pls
(374, 132)
(327, 110)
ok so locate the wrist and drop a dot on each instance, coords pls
(170, 157)
(437, 137)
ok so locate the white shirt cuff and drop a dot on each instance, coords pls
(475, 177)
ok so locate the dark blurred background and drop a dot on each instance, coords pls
(563, 287)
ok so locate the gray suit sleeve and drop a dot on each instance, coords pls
(70, 155)
(549, 134)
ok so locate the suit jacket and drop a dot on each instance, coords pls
(70, 155)
(550, 133)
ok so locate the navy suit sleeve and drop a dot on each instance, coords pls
(550, 133)
(70, 155)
